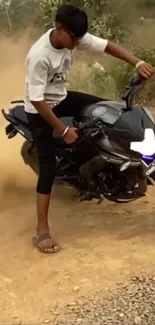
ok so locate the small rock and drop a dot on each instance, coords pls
(67, 277)
(121, 315)
(79, 320)
(54, 312)
(80, 302)
(76, 289)
(17, 321)
(71, 308)
(73, 303)
(62, 289)
(46, 321)
(118, 309)
(146, 312)
(137, 320)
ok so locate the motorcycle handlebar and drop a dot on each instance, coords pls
(136, 80)
(89, 129)
(134, 86)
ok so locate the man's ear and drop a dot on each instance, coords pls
(58, 26)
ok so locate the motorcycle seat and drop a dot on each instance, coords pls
(20, 116)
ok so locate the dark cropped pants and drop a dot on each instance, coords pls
(42, 134)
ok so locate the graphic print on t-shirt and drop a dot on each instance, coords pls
(58, 77)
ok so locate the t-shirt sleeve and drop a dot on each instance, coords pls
(92, 43)
(37, 71)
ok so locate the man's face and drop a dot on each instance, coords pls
(67, 39)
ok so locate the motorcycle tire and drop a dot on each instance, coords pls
(29, 155)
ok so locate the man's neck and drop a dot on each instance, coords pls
(53, 40)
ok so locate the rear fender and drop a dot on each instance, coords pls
(15, 127)
(10, 131)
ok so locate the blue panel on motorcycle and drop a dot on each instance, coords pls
(148, 158)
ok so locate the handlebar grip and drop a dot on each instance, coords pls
(136, 80)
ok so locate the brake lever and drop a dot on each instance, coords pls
(87, 133)
(92, 132)
(86, 125)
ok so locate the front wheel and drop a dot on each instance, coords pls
(124, 187)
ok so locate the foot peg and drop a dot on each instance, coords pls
(89, 196)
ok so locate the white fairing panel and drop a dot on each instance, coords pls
(147, 146)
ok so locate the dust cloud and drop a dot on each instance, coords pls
(14, 175)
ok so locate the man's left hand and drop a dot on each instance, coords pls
(145, 70)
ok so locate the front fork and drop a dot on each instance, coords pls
(150, 179)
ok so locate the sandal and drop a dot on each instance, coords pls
(51, 248)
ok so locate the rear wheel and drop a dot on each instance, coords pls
(29, 154)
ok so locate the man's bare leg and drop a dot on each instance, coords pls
(44, 240)
(43, 202)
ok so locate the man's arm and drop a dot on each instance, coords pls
(46, 112)
(98, 45)
(145, 69)
(121, 53)
(37, 73)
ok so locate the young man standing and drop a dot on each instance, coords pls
(46, 99)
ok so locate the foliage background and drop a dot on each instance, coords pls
(130, 22)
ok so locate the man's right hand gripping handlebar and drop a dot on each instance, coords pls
(70, 135)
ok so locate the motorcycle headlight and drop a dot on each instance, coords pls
(147, 146)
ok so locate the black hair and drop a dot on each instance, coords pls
(74, 19)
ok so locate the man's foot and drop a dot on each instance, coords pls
(45, 244)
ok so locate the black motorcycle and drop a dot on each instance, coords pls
(103, 162)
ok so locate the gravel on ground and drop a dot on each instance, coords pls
(131, 304)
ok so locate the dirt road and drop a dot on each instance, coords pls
(103, 245)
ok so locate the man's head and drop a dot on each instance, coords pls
(71, 25)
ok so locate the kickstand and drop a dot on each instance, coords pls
(101, 199)
(87, 196)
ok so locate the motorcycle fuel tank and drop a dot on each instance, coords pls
(128, 125)
(108, 111)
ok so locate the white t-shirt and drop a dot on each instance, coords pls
(47, 69)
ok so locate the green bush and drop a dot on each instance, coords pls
(101, 82)
(145, 3)
(118, 75)
(105, 25)
(18, 14)
(121, 74)
(109, 26)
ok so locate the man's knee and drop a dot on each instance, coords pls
(47, 174)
